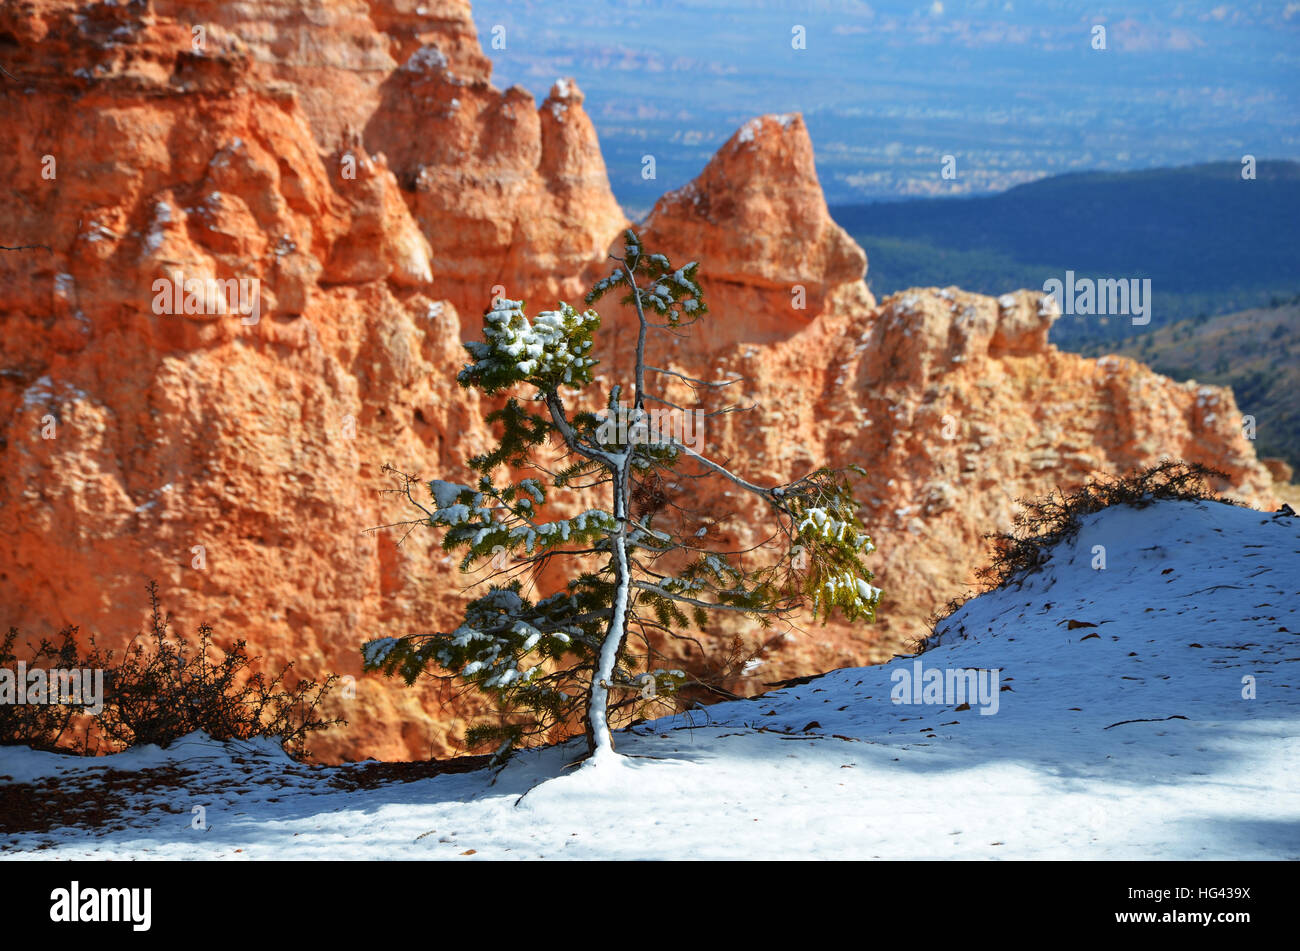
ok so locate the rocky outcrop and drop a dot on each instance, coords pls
(231, 452)
(506, 193)
(514, 199)
(757, 222)
(264, 251)
(956, 408)
(335, 55)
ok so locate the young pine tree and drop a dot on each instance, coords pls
(564, 658)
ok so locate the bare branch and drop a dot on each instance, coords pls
(692, 380)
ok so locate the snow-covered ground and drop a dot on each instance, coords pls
(1164, 723)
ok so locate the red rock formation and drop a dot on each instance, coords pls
(757, 222)
(335, 55)
(353, 159)
(506, 193)
(956, 407)
(234, 457)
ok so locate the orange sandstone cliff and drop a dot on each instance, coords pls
(354, 160)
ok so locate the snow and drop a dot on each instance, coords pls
(445, 493)
(543, 342)
(162, 217)
(751, 128)
(1126, 736)
(39, 393)
(377, 651)
(196, 750)
(755, 125)
(426, 59)
(534, 489)
(98, 231)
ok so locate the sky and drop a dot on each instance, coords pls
(1013, 91)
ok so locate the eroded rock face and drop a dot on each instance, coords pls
(514, 199)
(231, 453)
(335, 55)
(507, 194)
(956, 408)
(757, 222)
(352, 166)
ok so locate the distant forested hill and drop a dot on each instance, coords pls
(1209, 241)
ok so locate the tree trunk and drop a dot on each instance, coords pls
(599, 737)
